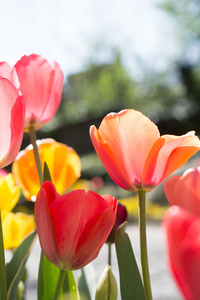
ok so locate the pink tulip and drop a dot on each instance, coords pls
(11, 122)
(184, 190)
(41, 87)
(183, 243)
(72, 228)
(133, 152)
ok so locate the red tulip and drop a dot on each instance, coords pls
(41, 87)
(184, 190)
(133, 152)
(183, 242)
(121, 217)
(72, 228)
(11, 122)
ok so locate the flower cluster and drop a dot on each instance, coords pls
(73, 224)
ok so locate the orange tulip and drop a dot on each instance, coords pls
(133, 152)
(63, 163)
(15, 228)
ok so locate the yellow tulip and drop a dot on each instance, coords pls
(9, 194)
(15, 228)
(63, 163)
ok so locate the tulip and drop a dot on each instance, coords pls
(121, 217)
(184, 190)
(107, 286)
(11, 122)
(63, 163)
(72, 228)
(182, 232)
(9, 194)
(133, 152)
(41, 87)
(15, 228)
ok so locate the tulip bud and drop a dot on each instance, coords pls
(121, 217)
(107, 286)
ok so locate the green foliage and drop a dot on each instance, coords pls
(47, 281)
(15, 268)
(131, 285)
(100, 89)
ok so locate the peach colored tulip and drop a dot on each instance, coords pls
(11, 122)
(41, 87)
(184, 190)
(15, 228)
(63, 163)
(133, 152)
(72, 228)
(183, 231)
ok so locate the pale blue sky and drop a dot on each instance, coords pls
(68, 30)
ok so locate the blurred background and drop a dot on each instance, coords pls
(114, 55)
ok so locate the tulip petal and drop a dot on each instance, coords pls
(184, 191)
(55, 94)
(182, 232)
(5, 70)
(45, 228)
(11, 122)
(95, 232)
(167, 155)
(169, 187)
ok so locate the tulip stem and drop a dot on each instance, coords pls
(3, 280)
(143, 244)
(33, 139)
(59, 285)
(109, 253)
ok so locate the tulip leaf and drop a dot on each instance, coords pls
(46, 173)
(131, 285)
(87, 283)
(70, 291)
(47, 281)
(15, 268)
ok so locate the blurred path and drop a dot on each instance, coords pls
(163, 286)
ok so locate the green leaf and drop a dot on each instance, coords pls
(131, 285)
(15, 268)
(47, 281)
(46, 173)
(87, 283)
(70, 291)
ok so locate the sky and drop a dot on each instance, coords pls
(72, 32)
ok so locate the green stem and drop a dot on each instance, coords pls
(3, 280)
(59, 285)
(32, 135)
(143, 244)
(109, 253)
